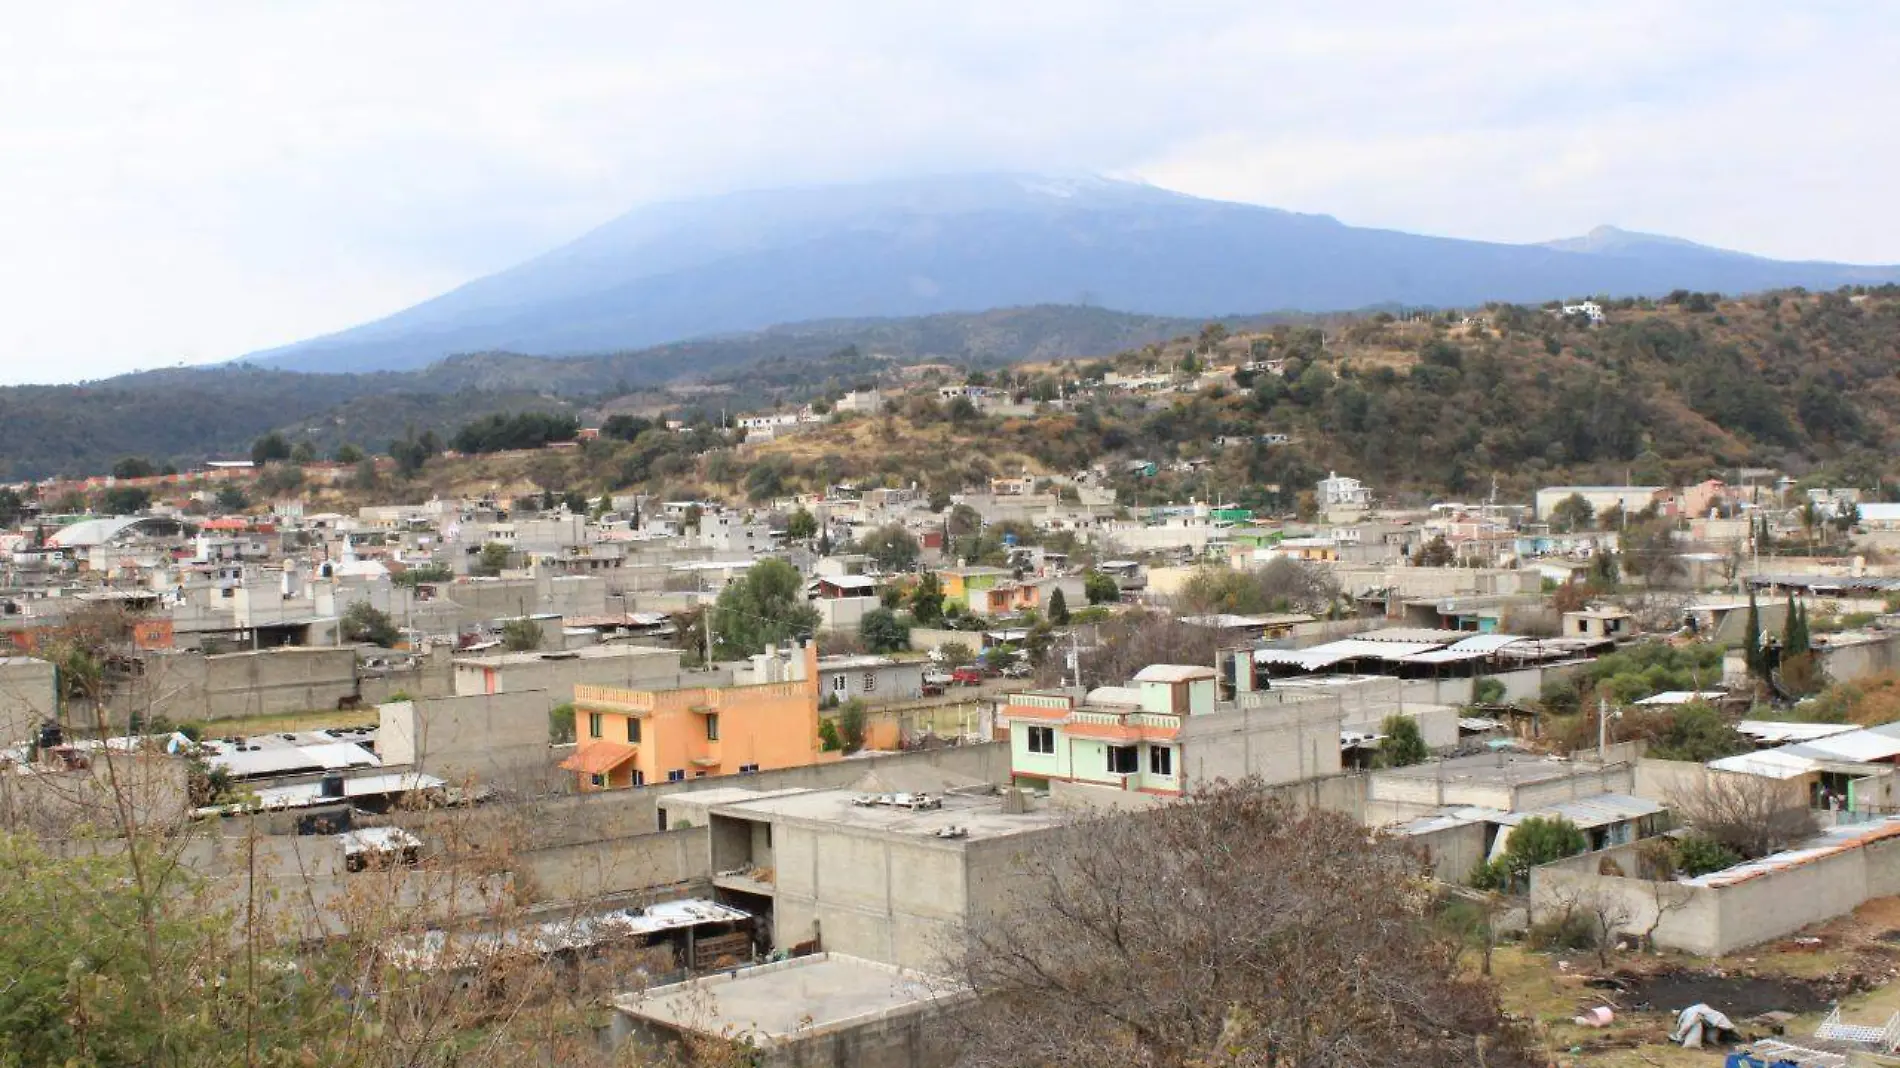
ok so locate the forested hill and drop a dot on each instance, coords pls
(1661, 393)
(186, 416)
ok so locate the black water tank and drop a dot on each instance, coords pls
(51, 737)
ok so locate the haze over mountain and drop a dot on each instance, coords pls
(745, 261)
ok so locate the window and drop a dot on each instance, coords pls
(597, 780)
(1121, 760)
(837, 684)
(639, 777)
(676, 775)
(633, 730)
(593, 724)
(870, 681)
(1161, 761)
(748, 769)
(1042, 740)
(712, 726)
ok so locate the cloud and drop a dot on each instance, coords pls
(189, 182)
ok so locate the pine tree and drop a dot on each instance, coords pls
(1789, 623)
(1799, 643)
(1058, 608)
(1751, 638)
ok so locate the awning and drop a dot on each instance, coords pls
(600, 758)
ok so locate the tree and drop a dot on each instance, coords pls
(883, 632)
(12, 506)
(1794, 631)
(125, 500)
(765, 606)
(1694, 732)
(521, 635)
(270, 449)
(491, 560)
(1310, 946)
(561, 724)
(851, 725)
(1749, 814)
(303, 453)
(1535, 840)
(802, 525)
(1572, 513)
(366, 478)
(623, 427)
(890, 547)
(926, 601)
(1059, 608)
(1282, 586)
(962, 522)
(364, 622)
(954, 655)
(1402, 745)
(423, 574)
(1435, 553)
(411, 452)
(348, 455)
(1751, 639)
(1101, 588)
(231, 499)
(133, 467)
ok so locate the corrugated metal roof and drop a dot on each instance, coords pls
(1854, 747)
(1774, 732)
(1594, 811)
(1768, 764)
(1833, 841)
(1487, 643)
(1683, 697)
(1321, 656)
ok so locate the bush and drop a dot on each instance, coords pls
(1487, 692)
(1569, 930)
(561, 724)
(1100, 588)
(364, 622)
(1698, 854)
(883, 632)
(521, 635)
(828, 736)
(1403, 745)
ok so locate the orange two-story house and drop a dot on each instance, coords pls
(627, 737)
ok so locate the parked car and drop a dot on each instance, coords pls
(967, 676)
(1017, 670)
(937, 677)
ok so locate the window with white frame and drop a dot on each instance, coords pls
(838, 684)
(870, 681)
(1161, 761)
(1042, 740)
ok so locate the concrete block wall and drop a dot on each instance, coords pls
(676, 859)
(28, 697)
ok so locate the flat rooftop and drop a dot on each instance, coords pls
(789, 999)
(1502, 768)
(977, 815)
(585, 652)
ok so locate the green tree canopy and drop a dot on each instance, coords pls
(521, 635)
(1101, 588)
(1403, 744)
(883, 632)
(890, 547)
(1059, 608)
(364, 622)
(801, 525)
(766, 605)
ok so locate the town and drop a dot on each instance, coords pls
(853, 773)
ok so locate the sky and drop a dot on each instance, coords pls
(186, 182)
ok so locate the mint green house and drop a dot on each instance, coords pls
(1122, 737)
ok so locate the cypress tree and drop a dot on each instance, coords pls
(1790, 622)
(1751, 639)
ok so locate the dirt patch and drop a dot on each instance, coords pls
(1738, 996)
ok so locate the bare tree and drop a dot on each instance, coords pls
(1753, 815)
(1134, 640)
(1226, 930)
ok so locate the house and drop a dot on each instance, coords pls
(1163, 731)
(1589, 309)
(841, 678)
(890, 871)
(1599, 622)
(1631, 499)
(560, 671)
(630, 737)
(1338, 492)
(988, 591)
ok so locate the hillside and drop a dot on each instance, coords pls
(189, 415)
(1662, 393)
(709, 267)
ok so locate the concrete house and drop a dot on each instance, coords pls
(631, 737)
(1163, 732)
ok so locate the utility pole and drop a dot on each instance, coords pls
(1603, 728)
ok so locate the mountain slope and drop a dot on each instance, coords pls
(917, 247)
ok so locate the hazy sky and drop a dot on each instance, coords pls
(193, 181)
